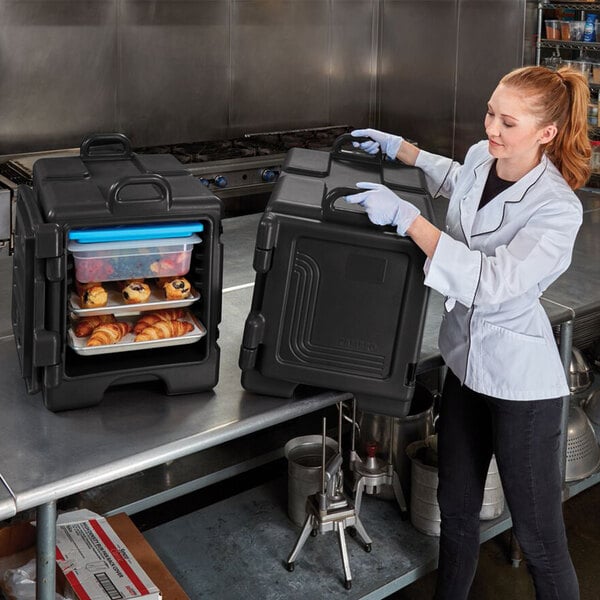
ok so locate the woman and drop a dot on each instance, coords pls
(510, 229)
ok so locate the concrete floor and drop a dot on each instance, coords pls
(496, 579)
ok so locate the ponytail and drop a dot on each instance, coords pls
(560, 97)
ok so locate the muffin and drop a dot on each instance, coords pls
(177, 289)
(81, 287)
(136, 292)
(123, 283)
(93, 297)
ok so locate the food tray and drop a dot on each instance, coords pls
(127, 344)
(128, 259)
(117, 307)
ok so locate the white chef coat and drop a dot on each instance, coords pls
(492, 266)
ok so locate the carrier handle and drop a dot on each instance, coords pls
(330, 213)
(91, 148)
(355, 154)
(117, 205)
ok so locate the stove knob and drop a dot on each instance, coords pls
(268, 175)
(220, 181)
(204, 181)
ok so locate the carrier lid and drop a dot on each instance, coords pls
(302, 161)
(399, 176)
(300, 196)
(113, 183)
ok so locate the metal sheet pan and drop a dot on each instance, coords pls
(116, 306)
(127, 344)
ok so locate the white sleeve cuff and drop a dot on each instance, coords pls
(444, 275)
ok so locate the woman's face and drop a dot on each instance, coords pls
(512, 129)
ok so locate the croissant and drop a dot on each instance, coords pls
(110, 333)
(84, 327)
(150, 318)
(164, 329)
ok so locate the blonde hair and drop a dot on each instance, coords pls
(561, 98)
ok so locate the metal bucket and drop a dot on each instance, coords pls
(493, 496)
(305, 455)
(417, 425)
(424, 508)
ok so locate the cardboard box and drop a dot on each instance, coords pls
(17, 546)
(96, 563)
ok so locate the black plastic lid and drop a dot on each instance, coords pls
(104, 188)
(303, 161)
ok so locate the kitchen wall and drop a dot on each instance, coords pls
(166, 71)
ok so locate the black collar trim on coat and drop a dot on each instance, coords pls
(509, 202)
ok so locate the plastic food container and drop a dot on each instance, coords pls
(132, 259)
(552, 29)
(582, 66)
(572, 30)
(577, 30)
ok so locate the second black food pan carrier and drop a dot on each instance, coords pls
(338, 302)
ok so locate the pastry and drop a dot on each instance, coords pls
(123, 283)
(81, 287)
(177, 289)
(136, 292)
(150, 318)
(93, 297)
(110, 333)
(84, 327)
(163, 330)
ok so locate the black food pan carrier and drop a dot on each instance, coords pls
(338, 302)
(111, 215)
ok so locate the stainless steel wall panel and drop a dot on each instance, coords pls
(353, 62)
(174, 70)
(490, 43)
(417, 71)
(530, 32)
(57, 66)
(280, 64)
(168, 71)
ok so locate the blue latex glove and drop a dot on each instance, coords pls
(390, 144)
(384, 207)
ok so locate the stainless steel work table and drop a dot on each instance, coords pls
(49, 456)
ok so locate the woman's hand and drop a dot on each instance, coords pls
(389, 144)
(384, 207)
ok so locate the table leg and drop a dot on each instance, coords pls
(46, 551)
(566, 344)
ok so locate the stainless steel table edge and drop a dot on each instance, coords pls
(8, 506)
(114, 470)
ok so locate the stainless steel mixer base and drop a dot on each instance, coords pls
(369, 483)
(338, 519)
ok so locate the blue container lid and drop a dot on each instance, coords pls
(135, 232)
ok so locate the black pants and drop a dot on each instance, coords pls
(525, 438)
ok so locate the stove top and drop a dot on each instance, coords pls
(250, 145)
(246, 165)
